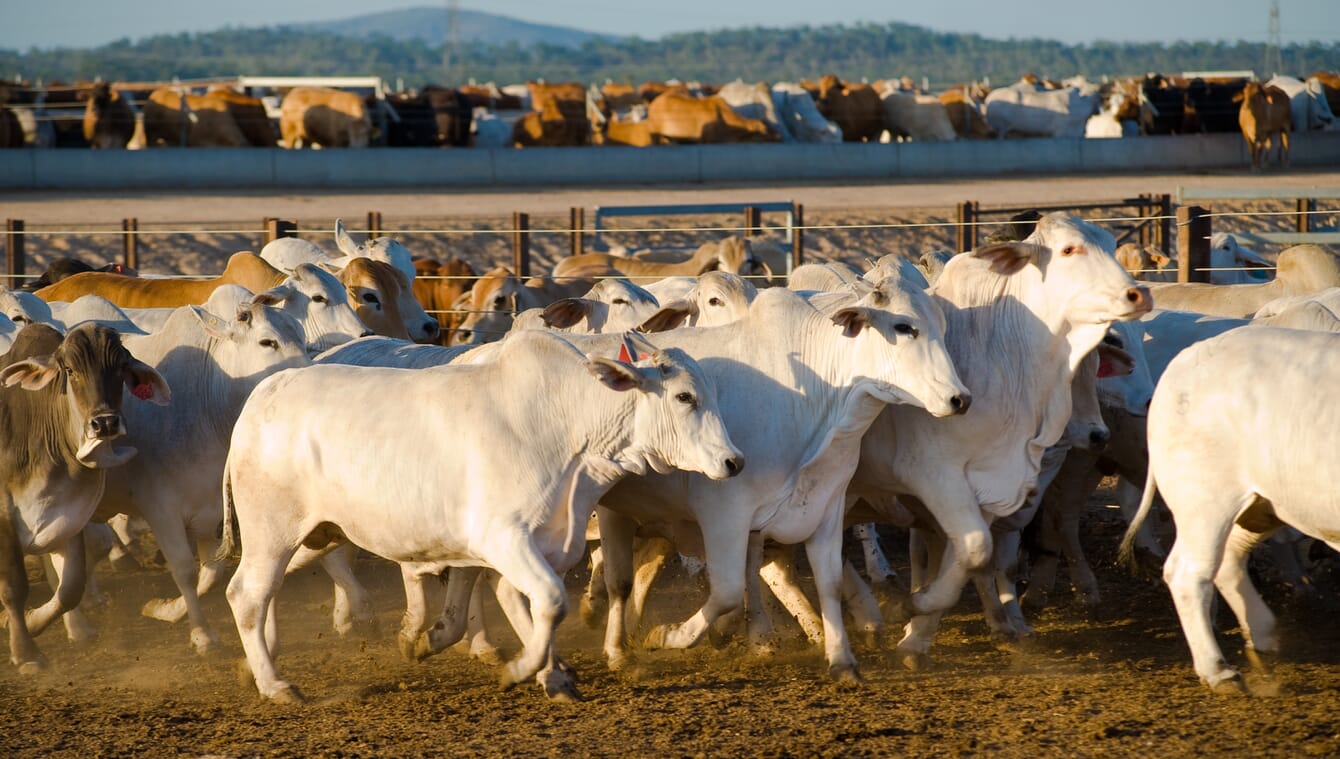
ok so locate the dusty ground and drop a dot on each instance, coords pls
(1116, 683)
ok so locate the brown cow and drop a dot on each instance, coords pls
(676, 117)
(551, 125)
(109, 120)
(499, 295)
(246, 269)
(620, 97)
(438, 285)
(204, 122)
(1330, 85)
(1265, 111)
(383, 298)
(326, 117)
(11, 129)
(854, 107)
(734, 255)
(250, 115)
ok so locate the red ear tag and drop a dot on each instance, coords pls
(623, 355)
(144, 391)
(1106, 369)
(643, 356)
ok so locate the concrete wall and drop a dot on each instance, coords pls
(203, 168)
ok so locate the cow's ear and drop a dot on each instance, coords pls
(1114, 361)
(1160, 260)
(671, 315)
(31, 374)
(273, 297)
(1009, 257)
(343, 241)
(147, 384)
(566, 312)
(214, 326)
(852, 320)
(615, 374)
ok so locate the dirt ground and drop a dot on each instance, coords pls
(1117, 682)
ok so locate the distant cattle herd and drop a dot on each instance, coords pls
(135, 115)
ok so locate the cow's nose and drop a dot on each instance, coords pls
(367, 333)
(960, 403)
(431, 329)
(106, 425)
(735, 464)
(1140, 297)
(1098, 439)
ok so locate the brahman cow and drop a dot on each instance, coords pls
(437, 286)
(517, 503)
(174, 119)
(918, 117)
(1021, 110)
(287, 252)
(800, 387)
(1021, 318)
(109, 118)
(611, 305)
(730, 254)
(966, 114)
(1235, 459)
(800, 117)
(675, 116)
(1301, 270)
(248, 113)
(498, 296)
(322, 116)
(60, 413)
(1266, 111)
(244, 268)
(212, 365)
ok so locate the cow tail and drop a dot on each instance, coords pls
(230, 527)
(1127, 551)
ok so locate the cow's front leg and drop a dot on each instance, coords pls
(23, 651)
(68, 578)
(824, 549)
(725, 546)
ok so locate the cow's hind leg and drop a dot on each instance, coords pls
(251, 595)
(181, 559)
(1233, 582)
(174, 610)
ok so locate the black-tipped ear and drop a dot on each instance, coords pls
(1009, 257)
(852, 320)
(670, 316)
(566, 312)
(614, 374)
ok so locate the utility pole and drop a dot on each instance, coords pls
(1273, 64)
(452, 40)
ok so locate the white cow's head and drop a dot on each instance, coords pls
(386, 249)
(676, 421)
(717, 298)
(24, 307)
(1082, 281)
(612, 305)
(257, 342)
(320, 303)
(897, 338)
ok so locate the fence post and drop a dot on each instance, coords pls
(1305, 206)
(130, 243)
(576, 222)
(798, 237)
(966, 231)
(1145, 232)
(374, 224)
(521, 243)
(753, 221)
(1165, 223)
(277, 228)
(14, 251)
(1193, 244)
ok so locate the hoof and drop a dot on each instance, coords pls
(204, 642)
(164, 609)
(619, 662)
(764, 648)
(412, 649)
(656, 638)
(245, 677)
(846, 675)
(35, 667)
(1230, 685)
(485, 652)
(1263, 662)
(82, 635)
(560, 686)
(914, 661)
(287, 694)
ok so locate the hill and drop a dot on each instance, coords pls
(429, 25)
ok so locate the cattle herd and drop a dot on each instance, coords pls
(104, 115)
(661, 405)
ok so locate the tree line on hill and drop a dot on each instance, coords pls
(862, 51)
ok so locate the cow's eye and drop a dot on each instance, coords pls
(270, 343)
(714, 302)
(498, 302)
(371, 299)
(903, 328)
(319, 299)
(686, 398)
(19, 319)
(620, 302)
(1070, 250)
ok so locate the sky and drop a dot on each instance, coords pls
(88, 23)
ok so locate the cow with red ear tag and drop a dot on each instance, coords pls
(60, 418)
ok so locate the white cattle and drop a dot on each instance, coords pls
(1307, 101)
(611, 305)
(1018, 338)
(1232, 264)
(212, 365)
(93, 308)
(799, 387)
(754, 101)
(8, 329)
(1021, 111)
(1301, 270)
(23, 307)
(285, 253)
(922, 118)
(716, 298)
(800, 116)
(516, 502)
(489, 130)
(1104, 124)
(825, 276)
(1235, 459)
